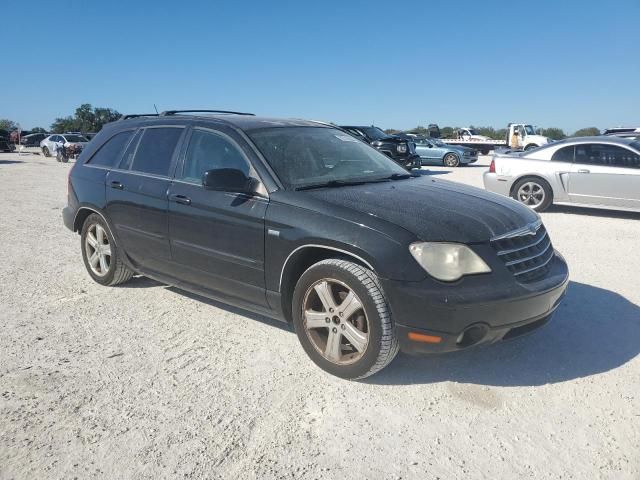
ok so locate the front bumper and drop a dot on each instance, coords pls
(446, 318)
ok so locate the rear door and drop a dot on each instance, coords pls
(217, 238)
(605, 175)
(136, 195)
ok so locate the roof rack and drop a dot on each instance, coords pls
(136, 115)
(173, 112)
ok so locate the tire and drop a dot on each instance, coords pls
(46, 152)
(485, 151)
(366, 330)
(113, 271)
(59, 156)
(524, 191)
(451, 160)
(531, 146)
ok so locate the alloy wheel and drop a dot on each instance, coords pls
(531, 194)
(451, 160)
(335, 321)
(98, 250)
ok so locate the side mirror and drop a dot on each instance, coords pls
(229, 180)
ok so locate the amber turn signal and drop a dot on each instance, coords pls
(421, 337)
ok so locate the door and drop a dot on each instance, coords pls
(217, 238)
(606, 175)
(425, 149)
(136, 195)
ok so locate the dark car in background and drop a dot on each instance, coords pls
(33, 140)
(5, 144)
(401, 150)
(304, 223)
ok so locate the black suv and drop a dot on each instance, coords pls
(304, 223)
(399, 149)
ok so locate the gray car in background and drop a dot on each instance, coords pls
(597, 172)
(433, 151)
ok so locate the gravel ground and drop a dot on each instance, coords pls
(146, 381)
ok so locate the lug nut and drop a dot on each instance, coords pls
(335, 330)
(327, 319)
(343, 326)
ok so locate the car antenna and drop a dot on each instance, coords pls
(155, 108)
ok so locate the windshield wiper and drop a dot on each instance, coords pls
(397, 176)
(330, 184)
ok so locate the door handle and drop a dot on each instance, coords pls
(584, 170)
(117, 185)
(180, 199)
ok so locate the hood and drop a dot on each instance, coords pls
(433, 209)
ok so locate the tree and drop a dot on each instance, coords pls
(553, 133)
(6, 124)
(391, 131)
(587, 132)
(85, 119)
(38, 130)
(447, 132)
(419, 130)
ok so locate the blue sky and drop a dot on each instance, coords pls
(569, 64)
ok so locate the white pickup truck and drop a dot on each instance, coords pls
(468, 137)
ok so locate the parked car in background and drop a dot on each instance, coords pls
(307, 224)
(70, 140)
(526, 136)
(632, 133)
(33, 140)
(598, 172)
(433, 151)
(401, 150)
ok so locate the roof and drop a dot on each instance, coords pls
(612, 139)
(244, 122)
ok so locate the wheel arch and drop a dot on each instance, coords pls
(303, 257)
(83, 213)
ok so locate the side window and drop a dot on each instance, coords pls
(155, 150)
(564, 154)
(127, 158)
(110, 152)
(208, 151)
(606, 155)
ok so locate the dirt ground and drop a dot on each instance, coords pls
(146, 381)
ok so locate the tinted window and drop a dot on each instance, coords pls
(110, 152)
(76, 138)
(127, 158)
(564, 154)
(208, 151)
(155, 150)
(606, 155)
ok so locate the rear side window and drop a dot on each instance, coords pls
(606, 155)
(564, 154)
(111, 151)
(155, 150)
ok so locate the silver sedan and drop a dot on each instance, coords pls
(597, 172)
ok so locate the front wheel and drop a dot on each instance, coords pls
(451, 160)
(533, 192)
(342, 319)
(45, 152)
(100, 254)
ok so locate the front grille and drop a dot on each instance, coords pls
(525, 254)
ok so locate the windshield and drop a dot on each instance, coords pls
(374, 133)
(304, 156)
(436, 141)
(472, 131)
(529, 130)
(75, 138)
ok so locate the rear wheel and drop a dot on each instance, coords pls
(533, 192)
(342, 319)
(531, 146)
(100, 254)
(451, 160)
(45, 152)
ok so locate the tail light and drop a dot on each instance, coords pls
(492, 167)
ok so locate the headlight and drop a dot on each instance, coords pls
(447, 261)
(402, 148)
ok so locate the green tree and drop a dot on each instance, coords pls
(553, 132)
(86, 119)
(447, 132)
(419, 130)
(38, 130)
(6, 124)
(391, 131)
(587, 132)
